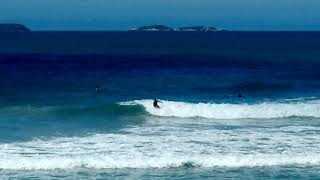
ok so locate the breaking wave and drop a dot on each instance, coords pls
(266, 110)
(101, 162)
(117, 151)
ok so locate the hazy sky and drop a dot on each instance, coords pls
(124, 14)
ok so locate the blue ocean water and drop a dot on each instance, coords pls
(53, 124)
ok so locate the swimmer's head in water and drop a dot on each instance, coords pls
(98, 89)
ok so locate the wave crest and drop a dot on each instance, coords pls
(266, 110)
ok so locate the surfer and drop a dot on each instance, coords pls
(155, 103)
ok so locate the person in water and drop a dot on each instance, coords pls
(98, 89)
(240, 95)
(155, 103)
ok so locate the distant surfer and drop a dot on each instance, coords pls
(98, 89)
(155, 103)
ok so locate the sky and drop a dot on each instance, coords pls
(126, 14)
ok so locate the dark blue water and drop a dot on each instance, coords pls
(53, 124)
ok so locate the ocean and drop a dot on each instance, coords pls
(234, 105)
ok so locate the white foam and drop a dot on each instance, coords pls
(231, 111)
(161, 146)
(103, 162)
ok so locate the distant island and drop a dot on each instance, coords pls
(13, 28)
(198, 28)
(153, 28)
(157, 28)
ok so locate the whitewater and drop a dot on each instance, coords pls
(178, 135)
(263, 110)
(167, 145)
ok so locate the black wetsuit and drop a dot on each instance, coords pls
(155, 104)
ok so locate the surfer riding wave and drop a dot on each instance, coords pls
(155, 103)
